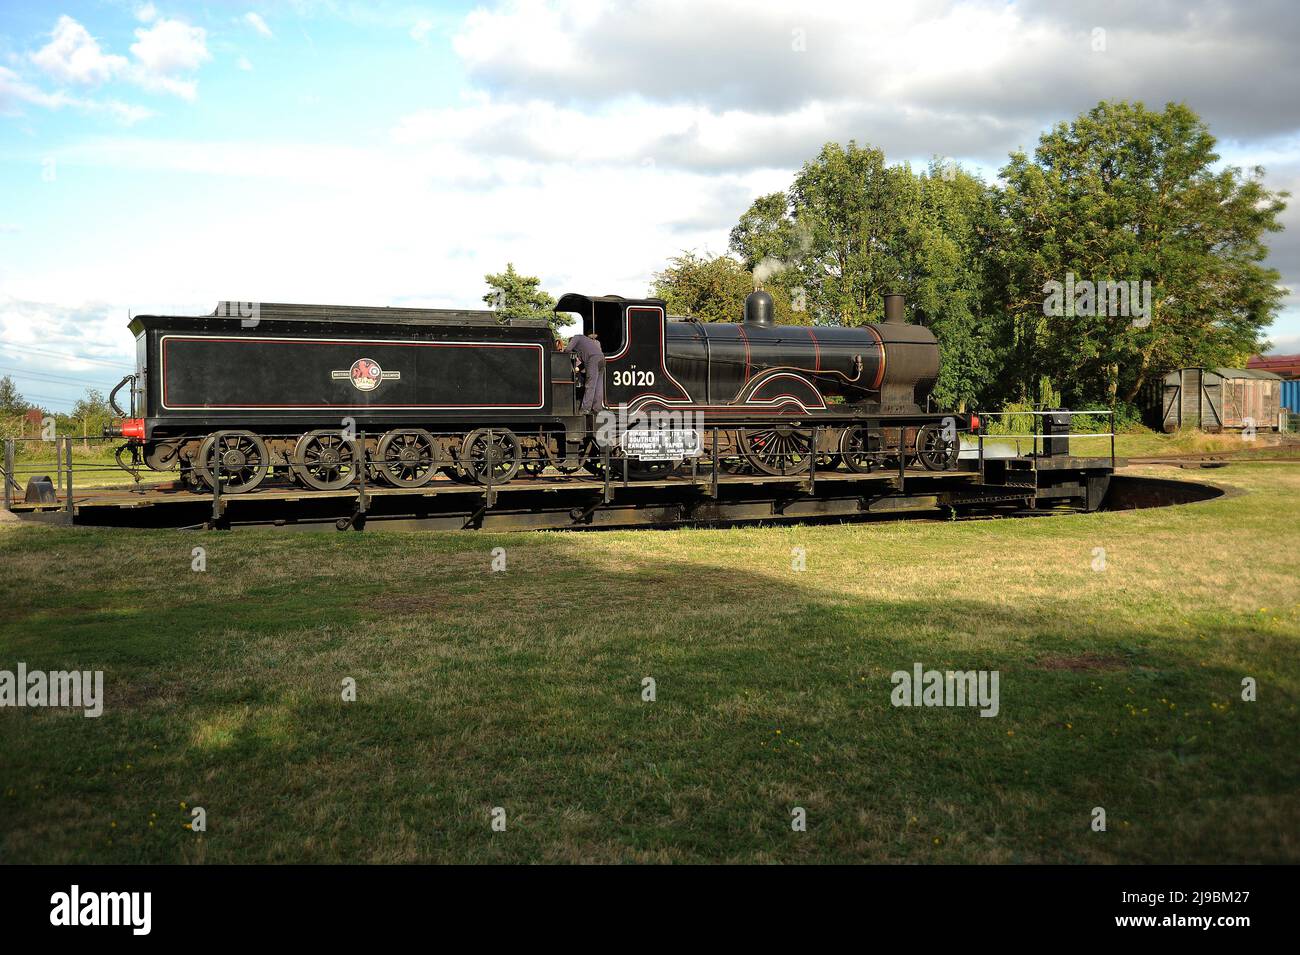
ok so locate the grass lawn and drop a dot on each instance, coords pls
(1145, 443)
(97, 468)
(1120, 688)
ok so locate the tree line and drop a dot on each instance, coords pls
(1120, 249)
(88, 416)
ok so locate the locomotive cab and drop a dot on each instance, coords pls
(601, 314)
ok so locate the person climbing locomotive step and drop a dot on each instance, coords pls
(587, 348)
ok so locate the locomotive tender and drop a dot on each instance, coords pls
(312, 392)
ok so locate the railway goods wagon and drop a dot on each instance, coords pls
(1216, 399)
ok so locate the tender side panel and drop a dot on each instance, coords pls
(304, 374)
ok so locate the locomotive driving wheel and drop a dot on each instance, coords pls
(935, 450)
(780, 451)
(241, 456)
(408, 457)
(860, 450)
(491, 451)
(326, 460)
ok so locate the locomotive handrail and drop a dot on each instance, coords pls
(112, 397)
(1037, 435)
(8, 471)
(1007, 414)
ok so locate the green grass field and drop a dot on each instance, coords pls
(1120, 688)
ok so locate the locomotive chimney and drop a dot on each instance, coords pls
(758, 308)
(894, 309)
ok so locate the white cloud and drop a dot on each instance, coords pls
(421, 30)
(1285, 346)
(168, 48)
(428, 218)
(171, 46)
(244, 64)
(695, 136)
(1023, 64)
(165, 53)
(15, 93)
(126, 113)
(146, 13)
(255, 21)
(74, 56)
(89, 328)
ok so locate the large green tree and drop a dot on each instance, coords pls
(12, 403)
(1123, 194)
(951, 286)
(91, 412)
(712, 288)
(514, 295)
(854, 232)
(853, 228)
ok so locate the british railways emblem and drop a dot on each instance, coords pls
(365, 374)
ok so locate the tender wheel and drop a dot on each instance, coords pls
(499, 455)
(242, 456)
(935, 451)
(408, 457)
(859, 450)
(325, 460)
(779, 451)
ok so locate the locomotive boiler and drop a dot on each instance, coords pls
(313, 394)
(753, 367)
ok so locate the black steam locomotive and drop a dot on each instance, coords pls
(316, 392)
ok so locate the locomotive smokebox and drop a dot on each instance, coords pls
(758, 308)
(894, 309)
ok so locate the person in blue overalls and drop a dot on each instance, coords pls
(587, 348)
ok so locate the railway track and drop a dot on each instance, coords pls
(1287, 453)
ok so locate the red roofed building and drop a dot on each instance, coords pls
(1287, 366)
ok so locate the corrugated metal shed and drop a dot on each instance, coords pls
(1291, 395)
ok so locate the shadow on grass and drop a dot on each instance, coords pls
(527, 693)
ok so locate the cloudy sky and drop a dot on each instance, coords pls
(162, 156)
